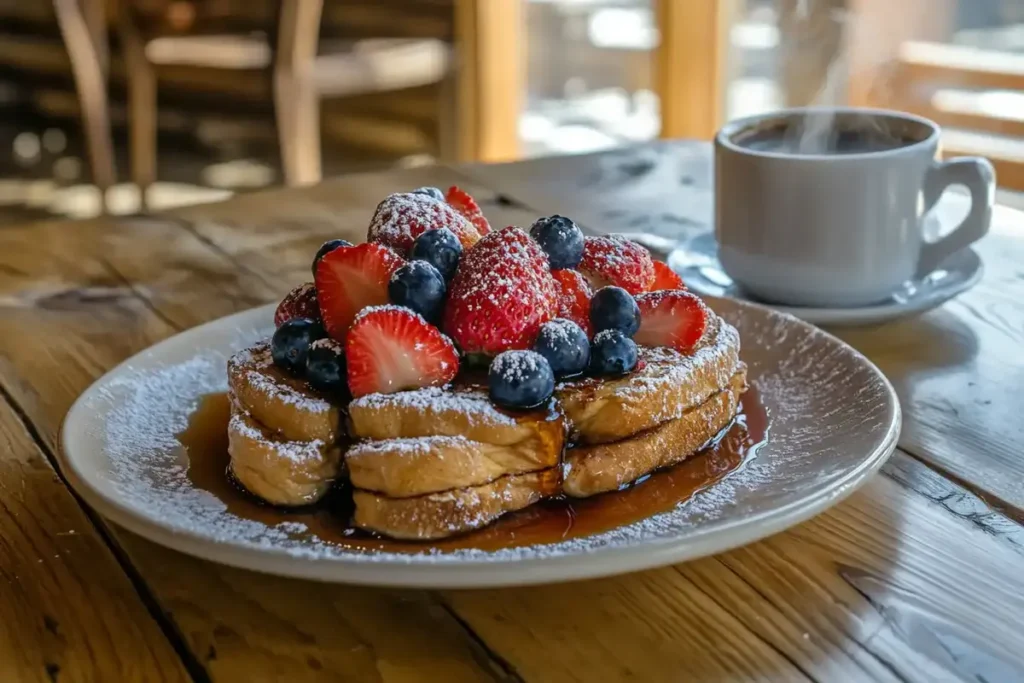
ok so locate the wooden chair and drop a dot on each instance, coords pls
(480, 66)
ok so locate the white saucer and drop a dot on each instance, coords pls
(697, 263)
(833, 421)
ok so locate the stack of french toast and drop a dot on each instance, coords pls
(444, 374)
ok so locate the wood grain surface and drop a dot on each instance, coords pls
(913, 578)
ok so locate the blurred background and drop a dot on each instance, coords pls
(131, 105)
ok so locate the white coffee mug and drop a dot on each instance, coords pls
(843, 227)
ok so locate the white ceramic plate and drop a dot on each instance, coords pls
(834, 421)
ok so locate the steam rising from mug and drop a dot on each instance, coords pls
(823, 27)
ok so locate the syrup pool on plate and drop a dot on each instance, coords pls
(206, 443)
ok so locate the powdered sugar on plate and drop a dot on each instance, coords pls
(834, 419)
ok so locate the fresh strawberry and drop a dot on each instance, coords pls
(349, 279)
(501, 294)
(401, 218)
(574, 298)
(299, 303)
(665, 278)
(460, 200)
(390, 349)
(615, 260)
(674, 319)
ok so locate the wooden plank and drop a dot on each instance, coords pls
(97, 292)
(690, 66)
(1006, 154)
(957, 369)
(109, 288)
(68, 611)
(961, 66)
(854, 594)
(490, 72)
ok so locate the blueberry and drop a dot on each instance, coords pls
(326, 248)
(561, 240)
(613, 308)
(325, 366)
(520, 379)
(612, 353)
(290, 344)
(440, 248)
(430, 192)
(418, 286)
(565, 346)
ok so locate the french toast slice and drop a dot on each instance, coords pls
(279, 402)
(594, 469)
(281, 472)
(438, 515)
(401, 468)
(439, 411)
(668, 384)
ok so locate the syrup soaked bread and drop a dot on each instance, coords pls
(448, 411)
(428, 464)
(667, 386)
(278, 401)
(448, 513)
(279, 471)
(594, 469)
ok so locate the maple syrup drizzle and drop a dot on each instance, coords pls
(205, 441)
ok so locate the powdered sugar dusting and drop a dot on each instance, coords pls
(833, 419)
(519, 366)
(255, 361)
(436, 400)
(402, 217)
(298, 452)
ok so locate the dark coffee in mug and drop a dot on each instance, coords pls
(827, 137)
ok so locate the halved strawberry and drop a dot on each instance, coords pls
(615, 260)
(674, 319)
(299, 303)
(573, 297)
(390, 349)
(501, 294)
(666, 278)
(349, 279)
(462, 202)
(403, 217)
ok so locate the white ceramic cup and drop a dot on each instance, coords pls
(801, 226)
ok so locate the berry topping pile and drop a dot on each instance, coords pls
(672, 318)
(401, 218)
(574, 297)
(301, 302)
(501, 294)
(520, 379)
(390, 348)
(434, 286)
(614, 260)
(349, 279)
(460, 200)
(561, 239)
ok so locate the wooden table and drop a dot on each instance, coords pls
(919, 576)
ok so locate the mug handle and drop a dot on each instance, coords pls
(978, 176)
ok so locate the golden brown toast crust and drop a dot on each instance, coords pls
(670, 383)
(401, 468)
(281, 472)
(279, 402)
(439, 411)
(438, 515)
(590, 470)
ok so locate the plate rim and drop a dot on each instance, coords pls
(472, 572)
